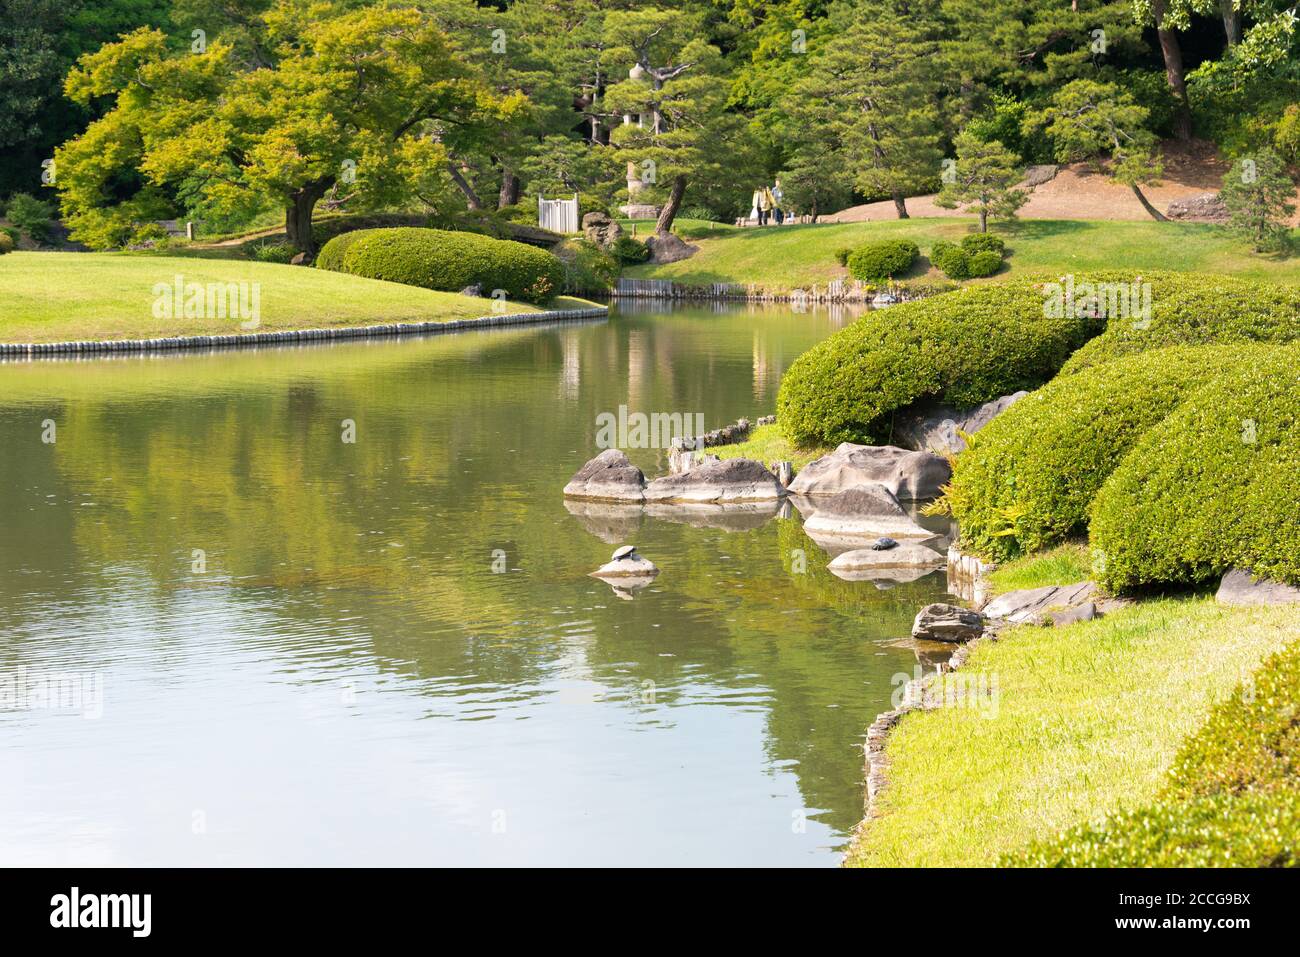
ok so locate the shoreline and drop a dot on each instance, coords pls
(29, 350)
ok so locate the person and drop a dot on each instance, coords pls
(778, 198)
(764, 206)
(753, 209)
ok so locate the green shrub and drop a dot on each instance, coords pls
(332, 254)
(587, 267)
(984, 263)
(842, 255)
(1213, 487)
(1029, 477)
(6, 243)
(1190, 309)
(630, 251)
(983, 242)
(951, 260)
(963, 348)
(33, 216)
(873, 262)
(272, 252)
(435, 259)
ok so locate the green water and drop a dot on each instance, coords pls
(240, 639)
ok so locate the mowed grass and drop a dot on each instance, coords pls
(766, 444)
(789, 257)
(1085, 721)
(1063, 565)
(54, 297)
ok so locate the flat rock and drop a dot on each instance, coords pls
(670, 249)
(609, 477)
(907, 555)
(937, 428)
(1241, 588)
(951, 623)
(633, 567)
(908, 475)
(864, 511)
(717, 482)
(1206, 208)
(1046, 605)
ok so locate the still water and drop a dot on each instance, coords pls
(227, 636)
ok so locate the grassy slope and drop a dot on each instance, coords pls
(1063, 565)
(787, 257)
(1089, 718)
(766, 444)
(50, 297)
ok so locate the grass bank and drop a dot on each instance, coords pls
(789, 257)
(1086, 720)
(766, 444)
(55, 297)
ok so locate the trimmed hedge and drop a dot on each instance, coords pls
(982, 243)
(1216, 486)
(873, 262)
(963, 347)
(1232, 797)
(984, 263)
(332, 254)
(1198, 309)
(1029, 477)
(950, 260)
(450, 261)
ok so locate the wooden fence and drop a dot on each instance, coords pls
(558, 215)
(837, 290)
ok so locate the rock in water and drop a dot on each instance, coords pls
(609, 477)
(627, 567)
(717, 482)
(904, 563)
(909, 476)
(952, 623)
(865, 511)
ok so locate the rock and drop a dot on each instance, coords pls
(935, 428)
(609, 477)
(784, 472)
(474, 290)
(1240, 587)
(1206, 208)
(909, 476)
(910, 555)
(1085, 612)
(717, 482)
(640, 211)
(729, 517)
(669, 249)
(626, 564)
(952, 623)
(301, 259)
(1038, 175)
(864, 511)
(1051, 603)
(766, 420)
(601, 230)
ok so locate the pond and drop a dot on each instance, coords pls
(229, 635)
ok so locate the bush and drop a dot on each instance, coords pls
(6, 243)
(630, 251)
(436, 259)
(334, 251)
(1214, 487)
(1029, 477)
(983, 242)
(873, 262)
(587, 267)
(272, 252)
(951, 260)
(33, 216)
(963, 348)
(1190, 309)
(842, 255)
(984, 263)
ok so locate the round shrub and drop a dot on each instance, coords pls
(982, 243)
(450, 261)
(331, 255)
(630, 251)
(1212, 488)
(951, 260)
(963, 348)
(587, 268)
(842, 255)
(6, 243)
(881, 260)
(1029, 477)
(984, 263)
(1187, 309)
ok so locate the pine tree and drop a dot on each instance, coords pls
(1258, 193)
(983, 177)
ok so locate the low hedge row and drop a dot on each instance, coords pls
(1214, 487)
(1231, 798)
(878, 261)
(449, 261)
(978, 255)
(1029, 477)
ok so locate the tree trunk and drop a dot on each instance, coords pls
(900, 204)
(1173, 54)
(298, 213)
(665, 224)
(509, 194)
(1146, 204)
(1231, 21)
(984, 219)
(471, 197)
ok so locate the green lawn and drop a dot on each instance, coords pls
(766, 444)
(789, 257)
(1063, 565)
(53, 297)
(1086, 720)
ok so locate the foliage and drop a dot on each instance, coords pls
(629, 250)
(436, 259)
(1213, 488)
(983, 242)
(983, 179)
(1258, 193)
(984, 263)
(951, 259)
(6, 243)
(880, 260)
(273, 252)
(33, 216)
(587, 267)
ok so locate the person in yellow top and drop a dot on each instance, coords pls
(765, 204)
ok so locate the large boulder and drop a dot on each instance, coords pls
(952, 623)
(609, 477)
(863, 512)
(1242, 588)
(1206, 208)
(938, 428)
(601, 230)
(669, 249)
(717, 482)
(904, 563)
(908, 476)
(1051, 605)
